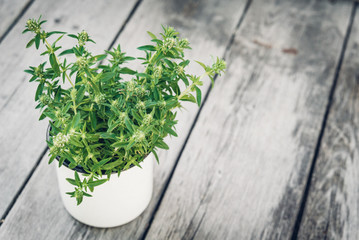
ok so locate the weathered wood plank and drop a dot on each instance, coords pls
(9, 11)
(332, 209)
(21, 135)
(199, 23)
(243, 171)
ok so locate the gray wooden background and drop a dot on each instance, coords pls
(273, 153)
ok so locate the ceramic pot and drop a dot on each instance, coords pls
(114, 203)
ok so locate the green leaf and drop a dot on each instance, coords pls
(68, 51)
(76, 120)
(106, 135)
(153, 36)
(144, 75)
(52, 158)
(129, 124)
(54, 32)
(29, 44)
(202, 64)
(39, 90)
(72, 36)
(126, 70)
(107, 76)
(77, 179)
(184, 63)
(100, 57)
(112, 165)
(76, 142)
(29, 71)
(79, 198)
(54, 63)
(93, 120)
(170, 131)
(128, 58)
(80, 94)
(101, 163)
(119, 144)
(86, 194)
(156, 156)
(199, 96)
(130, 145)
(169, 63)
(161, 144)
(188, 98)
(72, 181)
(147, 48)
(184, 79)
(72, 194)
(37, 41)
(97, 182)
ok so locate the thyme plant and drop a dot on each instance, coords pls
(102, 123)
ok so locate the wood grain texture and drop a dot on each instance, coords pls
(243, 171)
(9, 11)
(21, 135)
(332, 209)
(198, 21)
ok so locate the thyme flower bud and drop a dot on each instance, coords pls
(157, 72)
(141, 105)
(45, 99)
(100, 98)
(122, 116)
(138, 136)
(179, 70)
(141, 91)
(147, 119)
(81, 62)
(183, 43)
(131, 86)
(33, 26)
(83, 38)
(162, 104)
(219, 66)
(168, 44)
(73, 93)
(60, 140)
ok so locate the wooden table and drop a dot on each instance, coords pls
(273, 153)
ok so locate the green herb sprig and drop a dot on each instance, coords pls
(103, 123)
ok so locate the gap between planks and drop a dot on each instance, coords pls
(208, 91)
(17, 18)
(45, 149)
(324, 124)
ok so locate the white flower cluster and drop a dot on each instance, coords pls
(60, 140)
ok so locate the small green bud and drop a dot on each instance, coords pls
(45, 99)
(219, 66)
(131, 86)
(33, 26)
(168, 44)
(179, 70)
(141, 105)
(162, 104)
(157, 72)
(100, 98)
(138, 136)
(147, 119)
(81, 62)
(73, 93)
(60, 140)
(183, 43)
(83, 38)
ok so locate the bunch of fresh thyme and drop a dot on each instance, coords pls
(105, 124)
